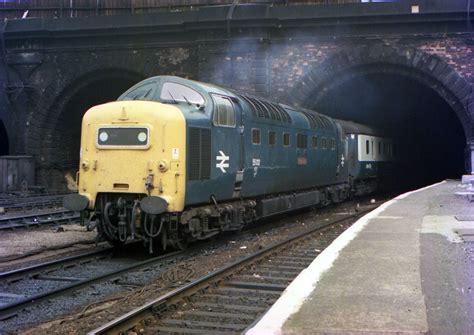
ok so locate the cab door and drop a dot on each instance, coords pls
(227, 147)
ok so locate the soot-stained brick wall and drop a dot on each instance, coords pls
(67, 83)
(286, 70)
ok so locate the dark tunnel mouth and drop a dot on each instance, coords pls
(61, 155)
(4, 143)
(431, 132)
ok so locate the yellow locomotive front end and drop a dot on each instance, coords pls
(132, 168)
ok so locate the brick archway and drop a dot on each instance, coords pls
(57, 151)
(427, 69)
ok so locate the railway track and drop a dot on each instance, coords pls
(231, 298)
(34, 285)
(23, 203)
(34, 218)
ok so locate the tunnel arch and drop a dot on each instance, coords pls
(387, 65)
(413, 63)
(60, 138)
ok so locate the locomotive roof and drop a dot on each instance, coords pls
(271, 110)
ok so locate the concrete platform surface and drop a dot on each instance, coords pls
(405, 268)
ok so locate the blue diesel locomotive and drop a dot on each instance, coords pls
(175, 160)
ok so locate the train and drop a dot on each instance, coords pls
(173, 160)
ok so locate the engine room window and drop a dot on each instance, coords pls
(224, 114)
(301, 141)
(255, 136)
(180, 93)
(271, 138)
(143, 92)
(286, 139)
(323, 143)
(315, 141)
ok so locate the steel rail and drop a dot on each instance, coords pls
(123, 322)
(19, 199)
(32, 204)
(35, 269)
(36, 219)
(11, 309)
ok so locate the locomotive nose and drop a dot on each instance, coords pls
(133, 148)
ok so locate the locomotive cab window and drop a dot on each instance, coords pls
(224, 114)
(180, 93)
(271, 138)
(255, 136)
(286, 139)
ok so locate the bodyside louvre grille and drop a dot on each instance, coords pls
(205, 154)
(199, 157)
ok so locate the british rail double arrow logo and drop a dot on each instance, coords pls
(223, 165)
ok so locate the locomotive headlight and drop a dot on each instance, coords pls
(142, 137)
(103, 136)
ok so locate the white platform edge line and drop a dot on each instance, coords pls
(300, 288)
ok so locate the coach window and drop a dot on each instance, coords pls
(271, 138)
(380, 148)
(323, 143)
(367, 147)
(286, 139)
(177, 92)
(315, 142)
(224, 114)
(333, 144)
(255, 136)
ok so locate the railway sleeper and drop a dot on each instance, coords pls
(204, 324)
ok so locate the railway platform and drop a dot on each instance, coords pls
(405, 268)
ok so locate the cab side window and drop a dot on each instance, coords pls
(224, 114)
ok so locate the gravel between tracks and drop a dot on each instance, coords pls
(17, 244)
(224, 250)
